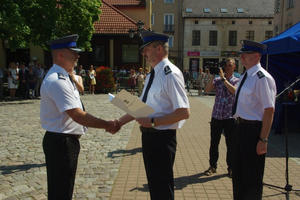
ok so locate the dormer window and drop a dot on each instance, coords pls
(240, 10)
(207, 10)
(223, 10)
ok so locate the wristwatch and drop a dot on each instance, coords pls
(152, 122)
(264, 140)
(223, 79)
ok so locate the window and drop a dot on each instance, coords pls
(130, 53)
(169, 22)
(196, 21)
(249, 35)
(169, 1)
(277, 6)
(268, 34)
(98, 53)
(288, 25)
(232, 38)
(207, 10)
(171, 41)
(240, 10)
(250, 22)
(290, 3)
(152, 19)
(196, 38)
(189, 10)
(223, 10)
(269, 22)
(213, 22)
(232, 22)
(276, 29)
(213, 38)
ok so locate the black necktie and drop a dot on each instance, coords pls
(148, 86)
(237, 94)
(76, 89)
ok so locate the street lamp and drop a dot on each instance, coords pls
(131, 32)
(140, 27)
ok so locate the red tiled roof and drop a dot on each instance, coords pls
(127, 2)
(113, 21)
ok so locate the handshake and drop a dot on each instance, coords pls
(113, 126)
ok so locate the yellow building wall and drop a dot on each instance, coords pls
(159, 9)
(37, 52)
(286, 17)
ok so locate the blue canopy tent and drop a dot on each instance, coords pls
(282, 57)
(282, 60)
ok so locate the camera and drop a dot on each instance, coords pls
(214, 68)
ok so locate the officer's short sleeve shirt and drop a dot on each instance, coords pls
(59, 94)
(167, 92)
(257, 93)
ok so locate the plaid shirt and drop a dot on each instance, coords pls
(224, 99)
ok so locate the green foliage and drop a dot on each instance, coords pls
(37, 21)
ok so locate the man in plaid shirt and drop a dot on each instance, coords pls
(222, 119)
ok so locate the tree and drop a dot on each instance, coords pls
(37, 21)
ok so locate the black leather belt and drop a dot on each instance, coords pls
(151, 130)
(64, 134)
(245, 121)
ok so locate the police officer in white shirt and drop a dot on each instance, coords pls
(63, 116)
(164, 91)
(254, 109)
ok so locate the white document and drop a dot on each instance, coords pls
(130, 104)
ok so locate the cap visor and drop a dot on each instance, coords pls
(75, 49)
(245, 51)
(146, 44)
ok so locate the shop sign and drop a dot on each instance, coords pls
(193, 53)
(210, 53)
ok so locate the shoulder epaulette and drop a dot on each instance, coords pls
(167, 70)
(61, 76)
(260, 74)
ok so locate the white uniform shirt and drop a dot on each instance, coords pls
(257, 93)
(58, 94)
(167, 93)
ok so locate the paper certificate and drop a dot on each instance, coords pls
(130, 104)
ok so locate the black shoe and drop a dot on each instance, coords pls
(210, 171)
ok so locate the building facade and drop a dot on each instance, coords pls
(166, 17)
(213, 29)
(286, 15)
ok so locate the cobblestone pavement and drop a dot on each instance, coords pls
(22, 168)
(23, 171)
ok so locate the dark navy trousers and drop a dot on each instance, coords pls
(248, 166)
(159, 150)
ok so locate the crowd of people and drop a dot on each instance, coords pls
(23, 80)
(135, 79)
